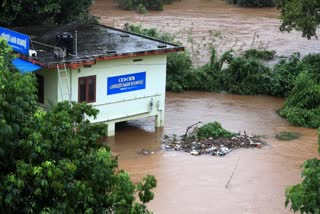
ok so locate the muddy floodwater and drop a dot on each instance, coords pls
(188, 184)
(202, 23)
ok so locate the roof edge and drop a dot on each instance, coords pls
(91, 61)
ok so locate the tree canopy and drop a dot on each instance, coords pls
(301, 15)
(35, 12)
(304, 197)
(50, 162)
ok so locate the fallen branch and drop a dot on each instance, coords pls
(189, 127)
(235, 168)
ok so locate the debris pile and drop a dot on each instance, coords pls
(213, 146)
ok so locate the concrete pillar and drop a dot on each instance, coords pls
(111, 129)
(159, 120)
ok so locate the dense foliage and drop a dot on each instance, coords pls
(33, 12)
(259, 54)
(213, 130)
(253, 3)
(305, 197)
(301, 15)
(302, 107)
(284, 74)
(50, 162)
(246, 76)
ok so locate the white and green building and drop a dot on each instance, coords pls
(120, 73)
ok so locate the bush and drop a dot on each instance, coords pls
(312, 63)
(180, 76)
(305, 196)
(141, 9)
(246, 77)
(286, 136)
(142, 4)
(260, 54)
(283, 76)
(302, 107)
(253, 3)
(213, 130)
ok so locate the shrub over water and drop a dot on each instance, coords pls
(287, 136)
(246, 77)
(283, 76)
(143, 5)
(213, 130)
(305, 196)
(259, 54)
(302, 107)
(253, 3)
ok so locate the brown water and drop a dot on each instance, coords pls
(188, 184)
(199, 23)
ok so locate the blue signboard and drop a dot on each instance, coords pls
(18, 41)
(126, 83)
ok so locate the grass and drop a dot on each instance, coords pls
(287, 136)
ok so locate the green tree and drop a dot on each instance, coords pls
(35, 12)
(302, 107)
(305, 197)
(50, 162)
(301, 15)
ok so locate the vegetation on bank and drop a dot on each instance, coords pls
(252, 3)
(142, 6)
(247, 74)
(50, 162)
(304, 197)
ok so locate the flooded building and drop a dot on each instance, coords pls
(122, 74)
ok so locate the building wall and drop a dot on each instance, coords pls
(128, 105)
(50, 87)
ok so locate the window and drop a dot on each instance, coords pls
(87, 89)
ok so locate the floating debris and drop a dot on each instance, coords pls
(145, 152)
(211, 146)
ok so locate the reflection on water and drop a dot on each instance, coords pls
(188, 184)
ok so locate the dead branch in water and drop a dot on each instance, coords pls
(189, 127)
(235, 168)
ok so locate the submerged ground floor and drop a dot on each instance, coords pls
(189, 184)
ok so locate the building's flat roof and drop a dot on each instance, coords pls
(95, 42)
